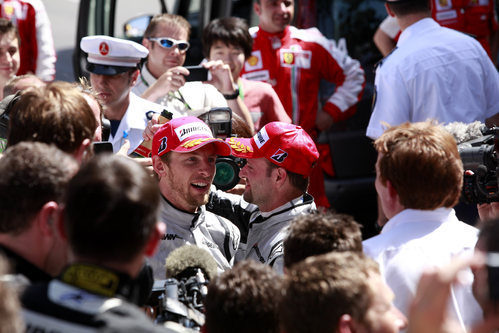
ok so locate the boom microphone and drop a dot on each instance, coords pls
(183, 260)
(465, 132)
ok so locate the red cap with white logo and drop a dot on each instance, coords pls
(186, 134)
(285, 145)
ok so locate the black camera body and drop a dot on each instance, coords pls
(220, 122)
(481, 168)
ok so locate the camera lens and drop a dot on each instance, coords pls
(227, 174)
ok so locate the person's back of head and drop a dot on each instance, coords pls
(402, 8)
(244, 299)
(230, 31)
(33, 174)
(111, 210)
(55, 114)
(315, 234)
(321, 291)
(22, 82)
(422, 163)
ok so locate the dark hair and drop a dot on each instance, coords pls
(7, 27)
(56, 113)
(318, 233)
(244, 299)
(32, 174)
(319, 290)
(300, 182)
(230, 31)
(111, 209)
(402, 8)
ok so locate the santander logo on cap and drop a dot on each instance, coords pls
(104, 48)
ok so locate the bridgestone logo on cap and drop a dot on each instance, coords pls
(185, 131)
(279, 156)
(261, 137)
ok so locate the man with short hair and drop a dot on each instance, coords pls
(113, 66)
(9, 52)
(419, 177)
(280, 159)
(294, 61)
(228, 39)
(162, 78)
(183, 156)
(244, 300)
(434, 73)
(110, 222)
(34, 176)
(338, 292)
(55, 114)
(315, 234)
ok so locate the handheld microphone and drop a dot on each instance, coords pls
(184, 261)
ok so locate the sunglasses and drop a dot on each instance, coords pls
(170, 42)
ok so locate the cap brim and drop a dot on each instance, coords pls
(221, 148)
(242, 147)
(107, 69)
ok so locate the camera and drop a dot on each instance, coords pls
(227, 167)
(479, 157)
(180, 301)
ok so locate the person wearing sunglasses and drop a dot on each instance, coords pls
(163, 77)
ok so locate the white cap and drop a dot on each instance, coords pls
(110, 55)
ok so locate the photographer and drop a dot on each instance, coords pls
(419, 176)
(110, 221)
(183, 155)
(163, 77)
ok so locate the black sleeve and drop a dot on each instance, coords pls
(233, 212)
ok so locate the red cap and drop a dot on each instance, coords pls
(285, 145)
(185, 134)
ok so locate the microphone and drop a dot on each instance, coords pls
(184, 261)
(465, 132)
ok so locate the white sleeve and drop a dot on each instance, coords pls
(390, 26)
(46, 58)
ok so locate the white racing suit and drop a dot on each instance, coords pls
(262, 233)
(206, 230)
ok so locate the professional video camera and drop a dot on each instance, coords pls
(220, 122)
(480, 162)
(178, 300)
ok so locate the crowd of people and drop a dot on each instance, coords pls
(104, 180)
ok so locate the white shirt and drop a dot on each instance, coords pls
(192, 99)
(435, 73)
(417, 239)
(134, 122)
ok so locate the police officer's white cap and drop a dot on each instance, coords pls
(110, 55)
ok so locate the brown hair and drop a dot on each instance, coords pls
(56, 113)
(422, 163)
(299, 182)
(319, 290)
(318, 233)
(33, 173)
(244, 299)
(403, 8)
(168, 19)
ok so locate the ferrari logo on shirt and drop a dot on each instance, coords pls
(8, 10)
(296, 58)
(103, 48)
(252, 61)
(288, 58)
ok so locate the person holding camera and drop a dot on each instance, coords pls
(419, 176)
(164, 80)
(280, 158)
(110, 222)
(184, 152)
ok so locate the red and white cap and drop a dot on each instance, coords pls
(285, 145)
(185, 134)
